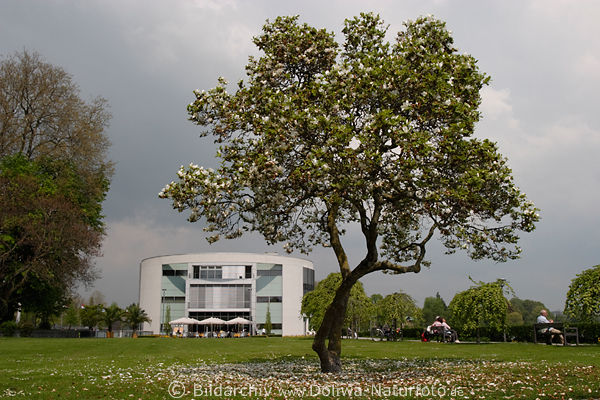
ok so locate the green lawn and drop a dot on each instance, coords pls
(287, 368)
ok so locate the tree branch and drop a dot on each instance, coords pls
(334, 238)
(402, 269)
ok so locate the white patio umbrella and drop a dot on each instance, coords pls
(212, 321)
(184, 321)
(238, 321)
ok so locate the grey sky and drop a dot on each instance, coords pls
(146, 58)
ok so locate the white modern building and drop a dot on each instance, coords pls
(226, 286)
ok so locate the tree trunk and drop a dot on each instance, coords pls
(328, 340)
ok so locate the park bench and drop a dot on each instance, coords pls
(440, 334)
(436, 333)
(542, 331)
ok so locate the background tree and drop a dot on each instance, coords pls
(529, 309)
(481, 305)
(434, 307)
(359, 309)
(558, 316)
(583, 297)
(167, 325)
(42, 115)
(110, 315)
(44, 300)
(48, 234)
(71, 315)
(97, 298)
(134, 315)
(90, 315)
(268, 324)
(315, 302)
(377, 315)
(514, 318)
(397, 308)
(322, 137)
(55, 176)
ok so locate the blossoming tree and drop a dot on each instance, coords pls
(321, 136)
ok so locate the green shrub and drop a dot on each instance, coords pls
(588, 332)
(412, 333)
(520, 333)
(8, 328)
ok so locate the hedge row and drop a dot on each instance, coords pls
(588, 333)
(11, 328)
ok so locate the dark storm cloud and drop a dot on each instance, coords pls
(146, 58)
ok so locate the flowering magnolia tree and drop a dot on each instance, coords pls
(322, 135)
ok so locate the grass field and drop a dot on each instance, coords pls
(164, 368)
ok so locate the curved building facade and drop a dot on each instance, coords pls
(226, 286)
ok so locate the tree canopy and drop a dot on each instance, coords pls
(529, 309)
(315, 302)
(398, 308)
(483, 304)
(43, 115)
(91, 315)
(322, 136)
(54, 175)
(434, 307)
(112, 314)
(583, 297)
(48, 234)
(134, 316)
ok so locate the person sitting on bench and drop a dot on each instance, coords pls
(543, 319)
(445, 330)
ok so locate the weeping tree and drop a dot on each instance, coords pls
(483, 304)
(583, 297)
(315, 302)
(322, 136)
(398, 308)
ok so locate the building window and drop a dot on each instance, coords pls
(308, 279)
(273, 326)
(268, 299)
(275, 270)
(248, 271)
(211, 272)
(219, 296)
(168, 270)
(224, 315)
(173, 299)
(174, 272)
(208, 272)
